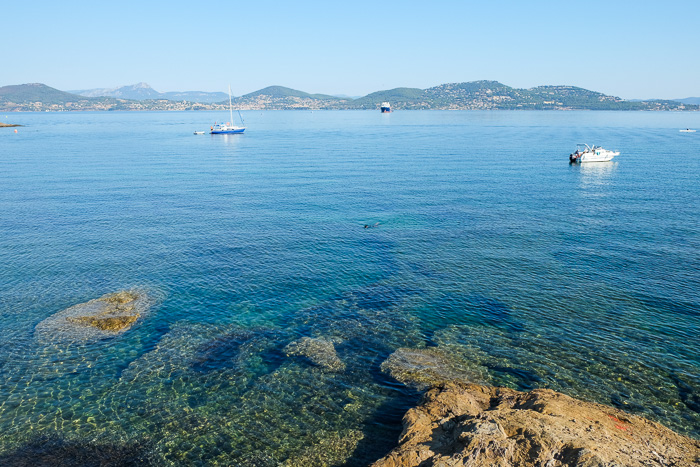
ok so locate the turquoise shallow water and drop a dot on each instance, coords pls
(532, 272)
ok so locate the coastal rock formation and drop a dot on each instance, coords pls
(472, 425)
(107, 316)
(319, 351)
(426, 367)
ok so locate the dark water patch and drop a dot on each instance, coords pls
(236, 349)
(671, 305)
(477, 309)
(53, 451)
(687, 391)
(380, 253)
(377, 296)
(382, 435)
(624, 401)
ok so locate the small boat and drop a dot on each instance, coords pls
(228, 128)
(687, 130)
(198, 132)
(586, 153)
(385, 108)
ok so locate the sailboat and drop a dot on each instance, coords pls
(228, 128)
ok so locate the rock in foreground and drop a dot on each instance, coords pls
(102, 317)
(472, 425)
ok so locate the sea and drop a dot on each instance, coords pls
(463, 232)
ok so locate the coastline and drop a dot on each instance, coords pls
(8, 125)
(463, 424)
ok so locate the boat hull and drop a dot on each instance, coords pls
(227, 132)
(606, 156)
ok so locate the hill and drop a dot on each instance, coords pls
(280, 98)
(39, 97)
(403, 98)
(689, 100)
(280, 92)
(142, 91)
(139, 91)
(474, 95)
(35, 92)
(492, 95)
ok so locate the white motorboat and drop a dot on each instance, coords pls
(198, 132)
(687, 130)
(586, 153)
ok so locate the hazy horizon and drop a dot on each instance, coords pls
(625, 49)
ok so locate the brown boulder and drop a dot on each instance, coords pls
(102, 317)
(472, 425)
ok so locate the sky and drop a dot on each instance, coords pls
(632, 49)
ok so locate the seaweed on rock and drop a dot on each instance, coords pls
(101, 318)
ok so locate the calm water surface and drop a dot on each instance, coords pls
(531, 272)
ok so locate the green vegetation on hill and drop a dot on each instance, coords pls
(280, 92)
(36, 92)
(39, 97)
(399, 97)
(475, 95)
(497, 96)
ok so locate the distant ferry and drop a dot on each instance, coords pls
(385, 108)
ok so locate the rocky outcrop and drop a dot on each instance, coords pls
(430, 366)
(320, 352)
(107, 316)
(472, 425)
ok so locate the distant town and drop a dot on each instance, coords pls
(474, 95)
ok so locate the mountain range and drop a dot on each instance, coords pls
(689, 100)
(484, 95)
(142, 91)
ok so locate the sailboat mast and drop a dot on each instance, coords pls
(230, 109)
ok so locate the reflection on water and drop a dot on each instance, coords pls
(229, 140)
(594, 174)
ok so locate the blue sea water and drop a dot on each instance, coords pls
(484, 242)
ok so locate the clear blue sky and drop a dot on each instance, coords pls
(631, 49)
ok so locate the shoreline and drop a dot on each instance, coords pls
(458, 423)
(8, 125)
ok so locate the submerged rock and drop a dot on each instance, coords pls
(45, 451)
(429, 366)
(103, 317)
(319, 351)
(472, 425)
